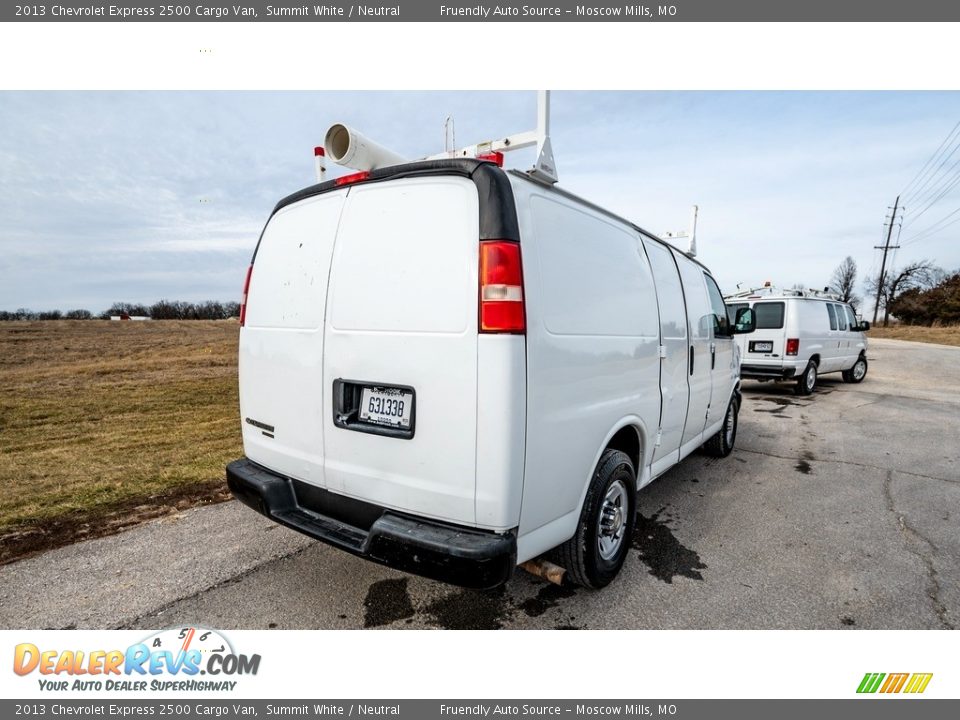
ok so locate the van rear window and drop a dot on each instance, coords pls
(769, 315)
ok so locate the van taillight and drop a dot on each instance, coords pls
(243, 298)
(793, 346)
(501, 287)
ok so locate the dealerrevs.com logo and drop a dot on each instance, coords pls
(178, 659)
(911, 683)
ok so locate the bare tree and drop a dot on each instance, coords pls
(844, 282)
(917, 275)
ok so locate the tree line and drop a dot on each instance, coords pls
(161, 310)
(919, 293)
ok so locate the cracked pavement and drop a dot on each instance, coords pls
(839, 510)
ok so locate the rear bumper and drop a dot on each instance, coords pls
(456, 555)
(767, 372)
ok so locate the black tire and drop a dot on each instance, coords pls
(807, 381)
(858, 372)
(721, 444)
(581, 554)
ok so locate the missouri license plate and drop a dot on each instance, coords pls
(388, 406)
(761, 347)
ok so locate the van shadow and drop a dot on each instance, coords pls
(658, 553)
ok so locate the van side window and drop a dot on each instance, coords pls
(841, 317)
(851, 318)
(769, 315)
(833, 316)
(721, 323)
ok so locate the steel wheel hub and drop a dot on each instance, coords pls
(860, 369)
(613, 520)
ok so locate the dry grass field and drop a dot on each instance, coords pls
(942, 335)
(103, 424)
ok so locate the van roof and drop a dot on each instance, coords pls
(609, 213)
(498, 215)
(779, 297)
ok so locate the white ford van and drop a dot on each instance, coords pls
(451, 369)
(800, 335)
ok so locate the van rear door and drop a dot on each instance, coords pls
(699, 359)
(402, 328)
(282, 343)
(767, 342)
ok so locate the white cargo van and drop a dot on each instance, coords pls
(452, 369)
(800, 335)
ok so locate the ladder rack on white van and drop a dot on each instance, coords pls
(346, 146)
(771, 291)
(544, 169)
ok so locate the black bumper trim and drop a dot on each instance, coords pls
(452, 554)
(764, 372)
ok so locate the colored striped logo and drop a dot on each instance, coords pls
(894, 682)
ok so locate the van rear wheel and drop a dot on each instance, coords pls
(721, 444)
(595, 554)
(858, 372)
(807, 381)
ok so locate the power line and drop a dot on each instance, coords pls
(931, 229)
(944, 227)
(896, 243)
(944, 191)
(916, 192)
(919, 197)
(923, 187)
(930, 161)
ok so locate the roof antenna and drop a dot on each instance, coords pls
(690, 233)
(449, 136)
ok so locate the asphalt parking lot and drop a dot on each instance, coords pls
(840, 510)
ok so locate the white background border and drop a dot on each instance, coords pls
(517, 664)
(492, 56)
(549, 664)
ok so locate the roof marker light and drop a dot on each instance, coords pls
(493, 156)
(354, 178)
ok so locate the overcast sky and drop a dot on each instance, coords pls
(124, 196)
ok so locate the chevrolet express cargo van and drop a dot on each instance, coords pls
(451, 369)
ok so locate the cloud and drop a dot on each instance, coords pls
(140, 195)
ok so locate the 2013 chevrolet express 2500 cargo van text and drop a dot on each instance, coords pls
(452, 369)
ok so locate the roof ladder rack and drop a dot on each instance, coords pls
(544, 170)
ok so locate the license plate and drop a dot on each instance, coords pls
(388, 406)
(761, 347)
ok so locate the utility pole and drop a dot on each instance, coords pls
(883, 264)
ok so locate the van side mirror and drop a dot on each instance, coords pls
(745, 322)
(863, 326)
